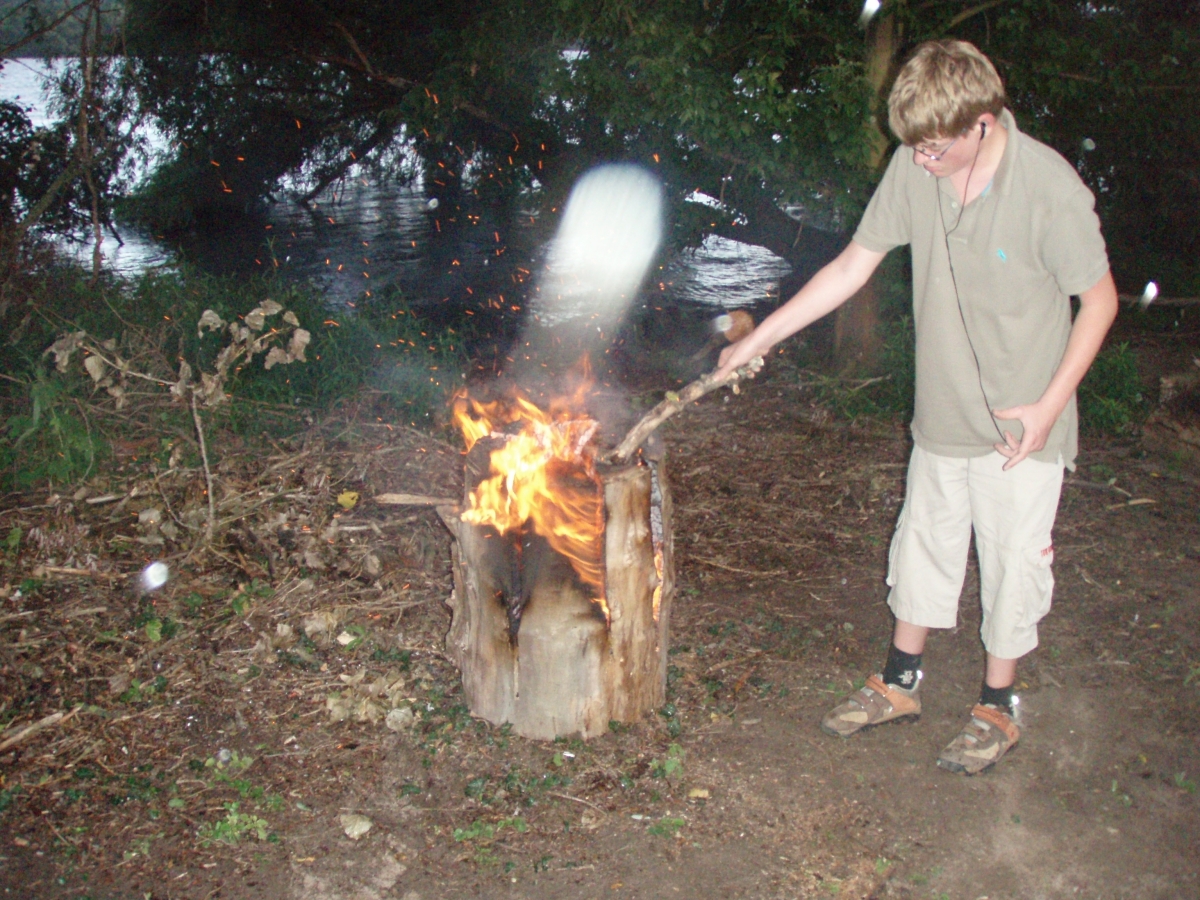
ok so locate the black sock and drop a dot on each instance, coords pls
(902, 668)
(1001, 698)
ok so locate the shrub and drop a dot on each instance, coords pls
(1110, 396)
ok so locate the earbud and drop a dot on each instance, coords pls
(982, 131)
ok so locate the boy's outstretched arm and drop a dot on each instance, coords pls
(1097, 310)
(824, 292)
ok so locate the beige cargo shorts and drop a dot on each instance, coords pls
(1011, 514)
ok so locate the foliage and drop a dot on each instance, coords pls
(42, 27)
(61, 179)
(52, 433)
(1104, 84)
(46, 438)
(1110, 396)
(760, 104)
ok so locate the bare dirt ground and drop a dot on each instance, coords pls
(219, 735)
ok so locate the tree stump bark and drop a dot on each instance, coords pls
(536, 648)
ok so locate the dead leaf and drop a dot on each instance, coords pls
(399, 719)
(255, 320)
(95, 367)
(300, 340)
(275, 356)
(209, 321)
(354, 825)
(64, 347)
(319, 623)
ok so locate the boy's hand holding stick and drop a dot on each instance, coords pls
(674, 402)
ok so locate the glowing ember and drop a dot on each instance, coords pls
(542, 477)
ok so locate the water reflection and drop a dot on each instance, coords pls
(362, 235)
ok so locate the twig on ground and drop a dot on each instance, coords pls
(757, 574)
(729, 664)
(24, 734)
(598, 809)
(412, 500)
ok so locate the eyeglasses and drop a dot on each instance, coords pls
(935, 155)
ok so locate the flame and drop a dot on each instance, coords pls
(542, 477)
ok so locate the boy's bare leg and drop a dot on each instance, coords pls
(910, 638)
(1001, 673)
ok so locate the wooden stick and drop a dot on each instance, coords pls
(674, 403)
(412, 500)
(80, 573)
(30, 730)
(1161, 301)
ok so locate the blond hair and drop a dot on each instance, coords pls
(942, 89)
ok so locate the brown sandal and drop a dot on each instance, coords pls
(989, 734)
(873, 704)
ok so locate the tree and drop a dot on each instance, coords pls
(61, 179)
(765, 105)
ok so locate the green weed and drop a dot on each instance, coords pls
(403, 657)
(481, 832)
(671, 764)
(667, 826)
(234, 762)
(233, 828)
(47, 437)
(1184, 783)
(144, 691)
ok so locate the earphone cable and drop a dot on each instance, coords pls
(954, 280)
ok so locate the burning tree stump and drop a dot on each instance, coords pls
(563, 565)
(562, 641)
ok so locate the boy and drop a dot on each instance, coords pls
(1003, 233)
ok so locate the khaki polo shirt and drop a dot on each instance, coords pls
(991, 289)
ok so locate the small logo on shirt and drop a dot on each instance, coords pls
(1003, 256)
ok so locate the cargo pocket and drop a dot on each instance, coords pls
(1037, 582)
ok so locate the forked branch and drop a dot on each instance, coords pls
(674, 402)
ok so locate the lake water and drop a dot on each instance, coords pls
(362, 235)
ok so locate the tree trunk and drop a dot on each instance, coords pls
(856, 341)
(535, 647)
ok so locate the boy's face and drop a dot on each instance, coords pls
(945, 156)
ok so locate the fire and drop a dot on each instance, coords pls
(542, 476)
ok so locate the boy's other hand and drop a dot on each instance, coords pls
(1036, 421)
